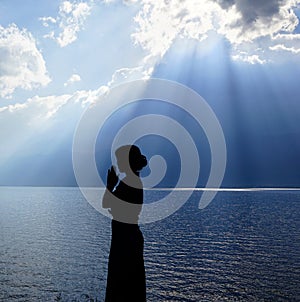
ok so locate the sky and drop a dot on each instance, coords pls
(242, 56)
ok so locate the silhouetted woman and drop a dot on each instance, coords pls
(124, 199)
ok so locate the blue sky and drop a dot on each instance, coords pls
(57, 56)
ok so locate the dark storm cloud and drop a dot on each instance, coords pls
(252, 10)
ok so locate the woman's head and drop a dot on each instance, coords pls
(130, 159)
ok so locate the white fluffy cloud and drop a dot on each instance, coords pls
(70, 20)
(23, 122)
(249, 25)
(73, 79)
(159, 23)
(131, 74)
(21, 63)
(36, 108)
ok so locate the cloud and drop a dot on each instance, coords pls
(38, 117)
(285, 43)
(37, 110)
(251, 59)
(74, 78)
(70, 21)
(255, 10)
(21, 63)
(34, 110)
(159, 23)
(256, 19)
(46, 21)
(143, 71)
(279, 47)
(249, 25)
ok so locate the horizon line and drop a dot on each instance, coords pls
(179, 189)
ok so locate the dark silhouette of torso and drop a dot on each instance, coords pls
(126, 271)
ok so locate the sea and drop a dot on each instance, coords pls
(245, 246)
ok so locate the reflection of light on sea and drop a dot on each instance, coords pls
(95, 194)
(224, 189)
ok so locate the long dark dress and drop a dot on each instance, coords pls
(126, 271)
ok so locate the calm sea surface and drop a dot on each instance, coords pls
(245, 246)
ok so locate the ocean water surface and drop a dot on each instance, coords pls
(245, 246)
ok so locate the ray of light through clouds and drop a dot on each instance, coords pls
(257, 32)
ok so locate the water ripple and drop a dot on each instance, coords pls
(243, 247)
